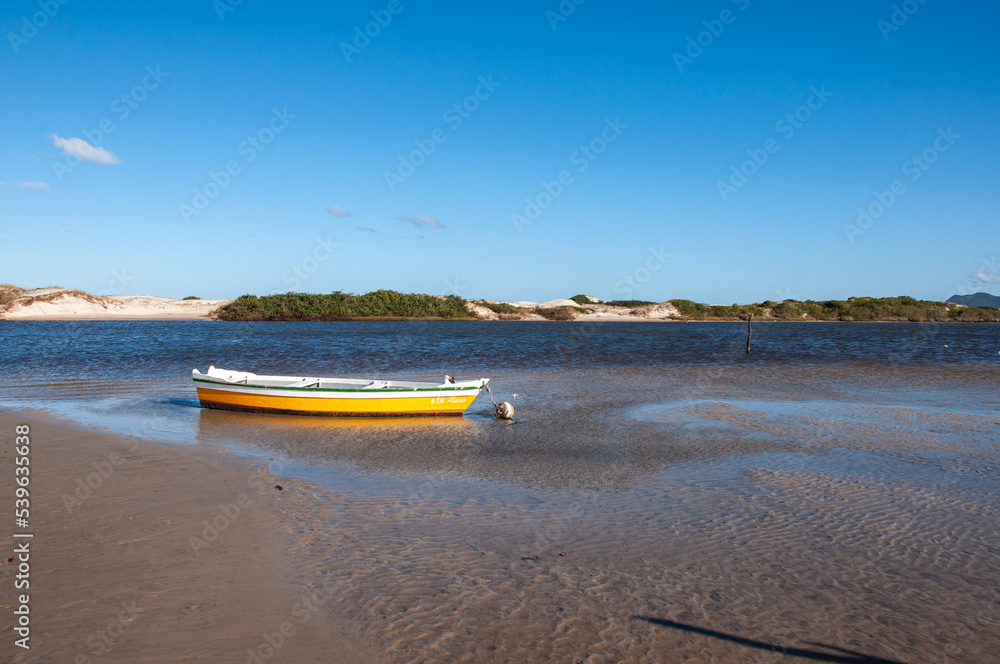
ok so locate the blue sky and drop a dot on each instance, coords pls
(717, 151)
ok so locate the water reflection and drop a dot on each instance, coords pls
(602, 452)
(404, 444)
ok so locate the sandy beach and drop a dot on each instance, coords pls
(116, 575)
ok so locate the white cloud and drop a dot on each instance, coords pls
(37, 186)
(987, 277)
(338, 211)
(366, 228)
(85, 151)
(421, 221)
(433, 222)
(3, 184)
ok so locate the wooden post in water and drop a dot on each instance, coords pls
(749, 331)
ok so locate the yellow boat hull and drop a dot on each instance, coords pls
(342, 407)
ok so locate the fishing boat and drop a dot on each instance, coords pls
(241, 390)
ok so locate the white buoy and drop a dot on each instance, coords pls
(504, 411)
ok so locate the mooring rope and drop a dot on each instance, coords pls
(502, 410)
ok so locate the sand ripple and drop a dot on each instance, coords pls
(790, 558)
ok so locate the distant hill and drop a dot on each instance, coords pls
(976, 300)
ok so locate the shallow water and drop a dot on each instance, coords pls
(835, 489)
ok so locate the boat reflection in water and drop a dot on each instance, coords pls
(404, 445)
(599, 451)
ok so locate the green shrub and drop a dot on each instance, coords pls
(557, 313)
(344, 306)
(631, 304)
(499, 307)
(689, 308)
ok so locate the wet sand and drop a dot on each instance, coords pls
(781, 514)
(116, 577)
(705, 530)
(681, 571)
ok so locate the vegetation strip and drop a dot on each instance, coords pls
(390, 304)
(345, 306)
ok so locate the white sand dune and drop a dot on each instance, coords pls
(659, 311)
(551, 304)
(67, 304)
(482, 312)
(652, 312)
(594, 311)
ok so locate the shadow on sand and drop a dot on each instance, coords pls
(848, 656)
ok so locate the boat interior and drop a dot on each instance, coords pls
(247, 378)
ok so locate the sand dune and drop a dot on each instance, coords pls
(68, 304)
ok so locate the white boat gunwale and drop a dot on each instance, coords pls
(473, 385)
